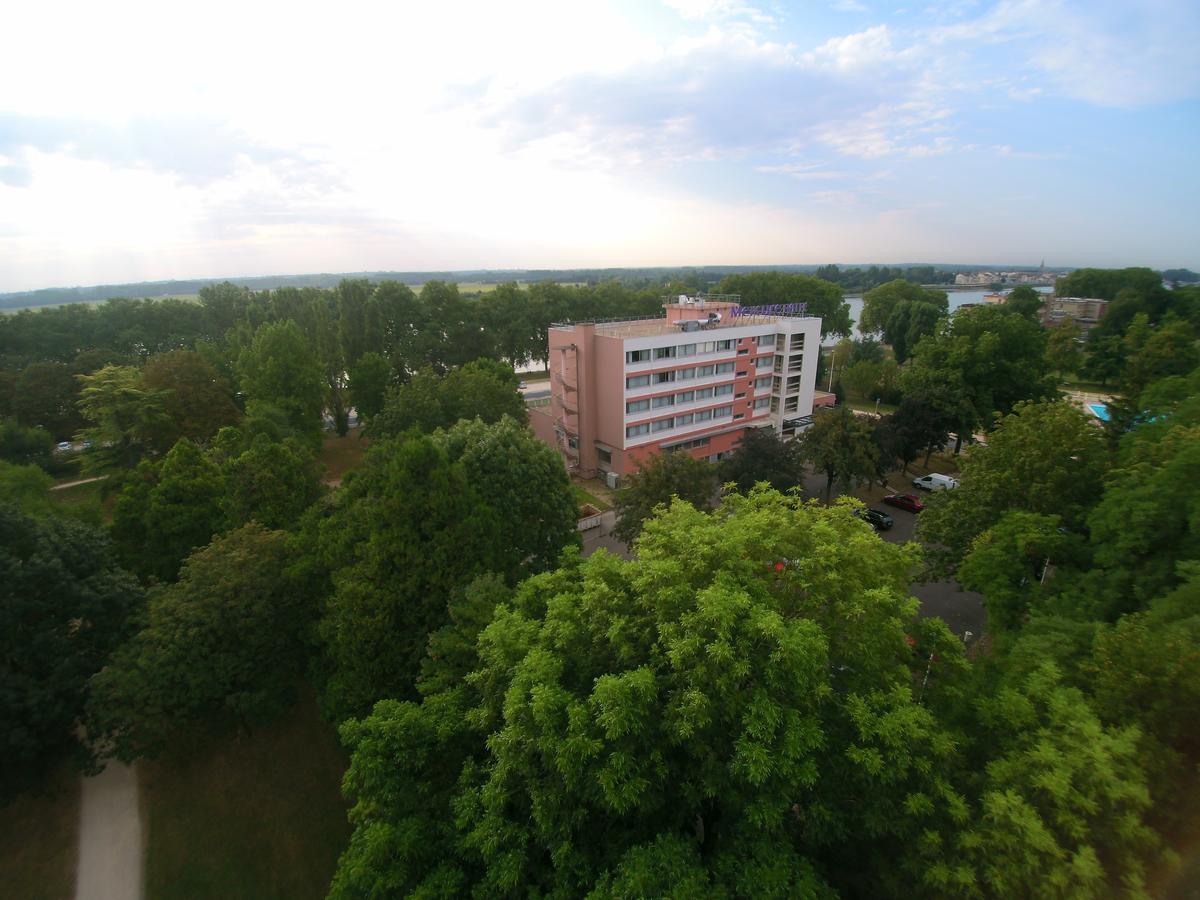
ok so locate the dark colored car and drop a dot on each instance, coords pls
(876, 518)
(911, 502)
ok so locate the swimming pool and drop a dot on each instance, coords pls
(1099, 410)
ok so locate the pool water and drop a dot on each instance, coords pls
(1099, 410)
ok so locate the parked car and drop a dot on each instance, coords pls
(876, 518)
(522, 386)
(911, 502)
(935, 482)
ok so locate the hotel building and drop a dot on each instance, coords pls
(692, 381)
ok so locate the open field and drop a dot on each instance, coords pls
(341, 454)
(39, 838)
(255, 816)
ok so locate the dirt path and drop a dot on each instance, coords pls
(71, 484)
(110, 837)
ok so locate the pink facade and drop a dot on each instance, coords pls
(692, 381)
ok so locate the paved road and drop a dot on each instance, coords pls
(110, 837)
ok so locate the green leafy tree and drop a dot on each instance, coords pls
(695, 722)
(25, 446)
(279, 368)
(991, 360)
(44, 396)
(657, 482)
(908, 322)
(879, 304)
(1044, 458)
(27, 488)
(841, 446)
(270, 483)
(64, 607)
(763, 456)
(872, 380)
(1064, 354)
(370, 379)
(522, 480)
(124, 416)
(166, 511)
(1025, 301)
(482, 389)
(223, 646)
(410, 531)
(196, 400)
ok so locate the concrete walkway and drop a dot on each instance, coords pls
(71, 484)
(110, 836)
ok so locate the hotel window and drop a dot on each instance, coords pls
(683, 420)
(739, 416)
(704, 415)
(763, 361)
(604, 455)
(664, 353)
(660, 402)
(664, 377)
(777, 386)
(763, 383)
(774, 404)
(745, 351)
(685, 397)
(739, 396)
(724, 368)
(724, 345)
(796, 363)
(687, 350)
(793, 384)
(708, 346)
(685, 374)
(704, 393)
(636, 356)
(722, 411)
(705, 371)
(741, 374)
(722, 390)
(766, 340)
(791, 404)
(637, 381)
(798, 341)
(762, 402)
(634, 406)
(663, 424)
(635, 430)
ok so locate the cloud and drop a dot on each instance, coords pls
(718, 10)
(872, 47)
(851, 6)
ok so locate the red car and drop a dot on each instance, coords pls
(911, 502)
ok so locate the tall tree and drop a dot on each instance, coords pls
(765, 288)
(840, 445)
(44, 396)
(270, 483)
(124, 417)
(1064, 353)
(763, 456)
(1025, 301)
(879, 304)
(370, 379)
(223, 646)
(196, 400)
(64, 607)
(279, 368)
(482, 389)
(658, 481)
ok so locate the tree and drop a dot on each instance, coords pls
(1025, 301)
(872, 380)
(659, 479)
(1170, 349)
(879, 304)
(763, 456)
(370, 379)
(222, 646)
(482, 389)
(840, 445)
(822, 298)
(1064, 354)
(123, 416)
(1044, 458)
(523, 481)
(991, 359)
(26, 488)
(44, 395)
(279, 368)
(25, 446)
(270, 483)
(64, 606)
(166, 511)
(699, 721)
(196, 401)
(410, 531)
(908, 322)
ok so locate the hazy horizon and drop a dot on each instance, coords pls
(146, 143)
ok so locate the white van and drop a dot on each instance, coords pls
(935, 482)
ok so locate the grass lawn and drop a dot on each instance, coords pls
(257, 817)
(341, 454)
(584, 495)
(39, 841)
(86, 498)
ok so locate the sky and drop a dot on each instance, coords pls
(150, 140)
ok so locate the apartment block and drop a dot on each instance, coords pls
(1086, 312)
(692, 380)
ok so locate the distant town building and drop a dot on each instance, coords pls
(984, 279)
(1084, 312)
(693, 381)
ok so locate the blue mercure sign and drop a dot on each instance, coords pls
(771, 309)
